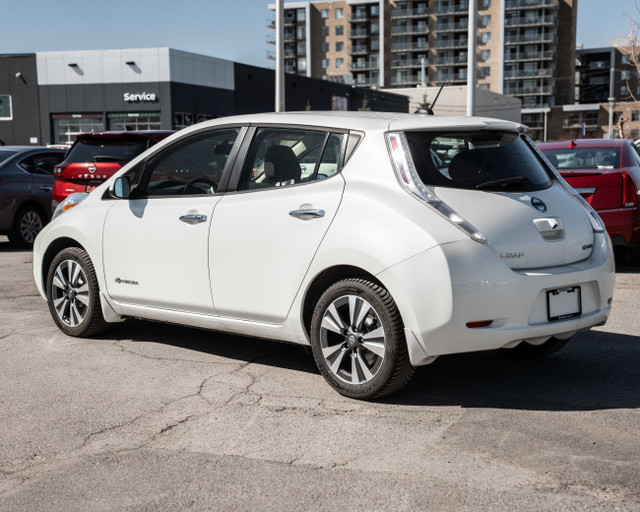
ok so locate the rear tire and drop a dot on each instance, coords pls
(527, 351)
(73, 294)
(358, 341)
(28, 222)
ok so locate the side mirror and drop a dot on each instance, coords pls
(120, 188)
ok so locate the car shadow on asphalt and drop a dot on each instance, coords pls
(597, 370)
(6, 246)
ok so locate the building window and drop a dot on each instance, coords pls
(324, 13)
(485, 71)
(486, 4)
(324, 47)
(339, 12)
(326, 63)
(485, 37)
(339, 62)
(484, 87)
(301, 15)
(626, 59)
(339, 30)
(301, 33)
(302, 48)
(485, 21)
(6, 112)
(302, 65)
(375, 44)
(339, 46)
(128, 121)
(624, 74)
(375, 28)
(375, 11)
(624, 92)
(339, 103)
(324, 31)
(635, 115)
(485, 54)
(182, 119)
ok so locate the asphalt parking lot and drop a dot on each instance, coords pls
(154, 417)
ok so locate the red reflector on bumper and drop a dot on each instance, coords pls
(483, 323)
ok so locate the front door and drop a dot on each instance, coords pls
(156, 247)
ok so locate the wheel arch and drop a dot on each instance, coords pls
(324, 280)
(54, 248)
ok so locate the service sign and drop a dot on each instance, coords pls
(145, 97)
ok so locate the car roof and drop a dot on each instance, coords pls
(27, 148)
(585, 143)
(141, 134)
(365, 121)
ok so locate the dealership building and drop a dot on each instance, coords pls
(50, 97)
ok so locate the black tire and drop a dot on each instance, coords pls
(27, 223)
(73, 295)
(377, 373)
(527, 351)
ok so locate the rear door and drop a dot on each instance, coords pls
(265, 234)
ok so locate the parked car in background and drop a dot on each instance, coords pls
(26, 183)
(94, 157)
(606, 172)
(382, 240)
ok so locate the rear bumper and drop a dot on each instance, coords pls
(622, 223)
(441, 290)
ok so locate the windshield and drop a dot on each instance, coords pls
(482, 160)
(584, 158)
(92, 150)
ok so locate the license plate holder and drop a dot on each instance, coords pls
(564, 303)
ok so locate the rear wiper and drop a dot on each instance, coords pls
(107, 158)
(503, 181)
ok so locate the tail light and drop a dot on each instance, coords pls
(58, 169)
(628, 191)
(409, 179)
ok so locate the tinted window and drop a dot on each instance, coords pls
(584, 158)
(193, 166)
(42, 163)
(279, 157)
(119, 151)
(486, 159)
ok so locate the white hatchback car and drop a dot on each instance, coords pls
(382, 240)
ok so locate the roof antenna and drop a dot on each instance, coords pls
(429, 110)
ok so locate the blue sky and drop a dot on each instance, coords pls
(231, 29)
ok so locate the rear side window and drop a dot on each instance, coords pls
(41, 163)
(483, 160)
(584, 158)
(95, 150)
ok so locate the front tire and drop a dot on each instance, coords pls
(358, 342)
(527, 351)
(28, 222)
(73, 294)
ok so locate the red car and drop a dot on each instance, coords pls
(606, 172)
(95, 157)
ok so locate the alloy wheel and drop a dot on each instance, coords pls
(30, 226)
(352, 339)
(70, 293)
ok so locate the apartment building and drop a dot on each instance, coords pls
(525, 48)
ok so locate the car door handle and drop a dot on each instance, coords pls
(307, 214)
(193, 218)
(46, 189)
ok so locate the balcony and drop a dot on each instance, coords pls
(365, 65)
(406, 47)
(366, 80)
(452, 43)
(525, 73)
(538, 38)
(357, 16)
(271, 40)
(409, 13)
(459, 26)
(358, 50)
(571, 123)
(289, 37)
(451, 78)
(288, 21)
(357, 34)
(527, 56)
(452, 9)
(529, 91)
(289, 69)
(531, 21)
(530, 4)
(408, 63)
(406, 80)
(270, 23)
(410, 30)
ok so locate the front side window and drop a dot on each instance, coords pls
(193, 166)
(279, 157)
(482, 160)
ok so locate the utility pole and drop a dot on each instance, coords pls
(280, 103)
(611, 100)
(472, 57)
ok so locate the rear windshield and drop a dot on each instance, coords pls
(487, 160)
(584, 158)
(92, 150)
